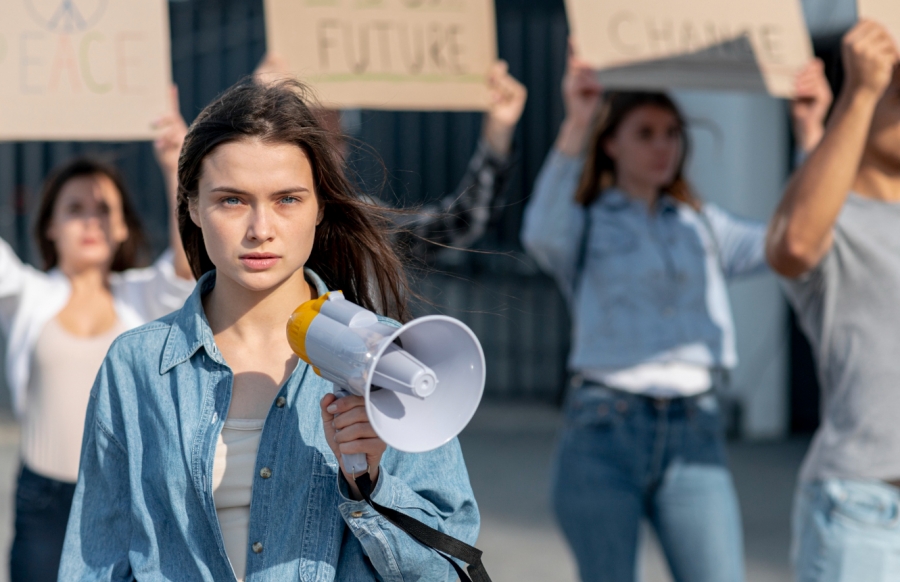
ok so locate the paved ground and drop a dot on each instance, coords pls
(508, 450)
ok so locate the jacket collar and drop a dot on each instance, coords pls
(190, 329)
(613, 199)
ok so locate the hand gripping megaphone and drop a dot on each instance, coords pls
(421, 382)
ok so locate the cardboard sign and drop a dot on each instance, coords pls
(388, 54)
(887, 12)
(747, 45)
(83, 69)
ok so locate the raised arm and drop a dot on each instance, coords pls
(800, 233)
(459, 219)
(553, 225)
(167, 148)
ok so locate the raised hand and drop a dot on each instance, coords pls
(870, 55)
(810, 106)
(172, 130)
(582, 95)
(507, 101)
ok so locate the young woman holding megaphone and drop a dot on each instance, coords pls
(643, 264)
(211, 452)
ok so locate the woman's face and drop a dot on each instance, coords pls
(87, 225)
(258, 211)
(647, 147)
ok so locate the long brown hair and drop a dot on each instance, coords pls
(600, 170)
(352, 250)
(129, 254)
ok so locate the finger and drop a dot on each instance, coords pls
(173, 100)
(361, 430)
(326, 401)
(371, 446)
(342, 405)
(500, 69)
(352, 416)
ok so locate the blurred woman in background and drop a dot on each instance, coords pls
(60, 322)
(643, 264)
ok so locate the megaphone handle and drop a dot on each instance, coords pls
(355, 464)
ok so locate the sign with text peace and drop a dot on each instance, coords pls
(887, 12)
(83, 69)
(388, 54)
(747, 45)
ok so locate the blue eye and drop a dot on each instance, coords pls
(231, 201)
(290, 200)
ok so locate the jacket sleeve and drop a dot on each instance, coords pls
(156, 290)
(741, 242)
(461, 218)
(553, 225)
(432, 487)
(14, 275)
(98, 534)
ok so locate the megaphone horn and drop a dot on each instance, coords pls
(421, 382)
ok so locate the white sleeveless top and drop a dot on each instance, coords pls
(63, 369)
(233, 472)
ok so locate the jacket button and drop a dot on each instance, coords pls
(265, 472)
(357, 514)
(280, 401)
(257, 548)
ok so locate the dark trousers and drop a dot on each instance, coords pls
(42, 511)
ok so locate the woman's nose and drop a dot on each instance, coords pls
(260, 226)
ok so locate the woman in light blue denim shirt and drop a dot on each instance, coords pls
(643, 264)
(268, 220)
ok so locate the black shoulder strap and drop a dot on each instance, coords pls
(582, 250)
(447, 547)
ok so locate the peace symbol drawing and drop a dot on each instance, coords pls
(66, 15)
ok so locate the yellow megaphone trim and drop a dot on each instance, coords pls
(298, 327)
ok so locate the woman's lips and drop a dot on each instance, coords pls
(259, 261)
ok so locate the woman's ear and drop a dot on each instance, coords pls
(193, 212)
(120, 232)
(610, 148)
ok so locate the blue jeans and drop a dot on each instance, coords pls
(42, 512)
(847, 531)
(624, 457)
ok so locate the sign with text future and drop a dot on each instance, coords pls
(388, 54)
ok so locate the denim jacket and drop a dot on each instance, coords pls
(143, 507)
(642, 288)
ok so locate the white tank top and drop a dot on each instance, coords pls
(63, 369)
(233, 472)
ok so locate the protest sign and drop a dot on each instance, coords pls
(388, 54)
(748, 45)
(887, 12)
(83, 69)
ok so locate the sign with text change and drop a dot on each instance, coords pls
(887, 12)
(83, 69)
(388, 54)
(745, 45)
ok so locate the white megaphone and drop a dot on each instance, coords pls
(422, 382)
